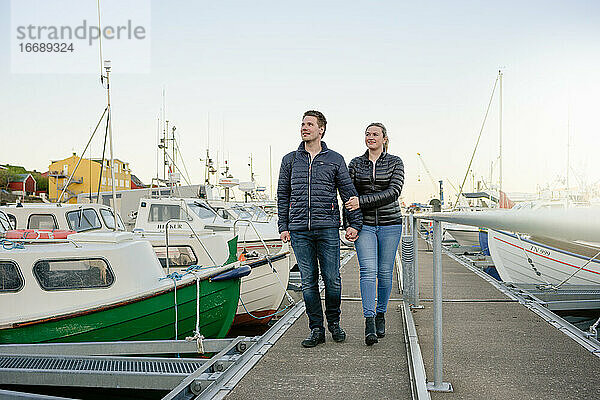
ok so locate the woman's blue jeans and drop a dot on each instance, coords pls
(376, 248)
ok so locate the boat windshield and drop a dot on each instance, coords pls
(109, 219)
(202, 210)
(5, 224)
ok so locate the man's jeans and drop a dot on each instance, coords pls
(322, 245)
(376, 248)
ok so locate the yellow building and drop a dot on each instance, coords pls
(85, 179)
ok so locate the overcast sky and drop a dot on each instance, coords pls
(424, 69)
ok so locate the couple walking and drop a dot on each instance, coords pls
(309, 179)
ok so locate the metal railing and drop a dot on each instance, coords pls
(250, 223)
(193, 233)
(565, 224)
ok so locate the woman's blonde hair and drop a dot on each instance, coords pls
(384, 131)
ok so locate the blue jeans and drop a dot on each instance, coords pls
(322, 245)
(376, 248)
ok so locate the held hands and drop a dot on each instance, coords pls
(352, 204)
(285, 236)
(351, 234)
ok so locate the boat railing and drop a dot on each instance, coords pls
(250, 223)
(193, 233)
(565, 224)
(39, 241)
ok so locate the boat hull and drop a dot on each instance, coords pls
(550, 264)
(263, 290)
(465, 238)
(144, 318)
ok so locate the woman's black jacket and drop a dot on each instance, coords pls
(378, 196)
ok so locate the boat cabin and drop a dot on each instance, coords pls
(74, 217)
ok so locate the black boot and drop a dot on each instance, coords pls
(380, 324)
(370, 336)
(337, 333)
(317, 336)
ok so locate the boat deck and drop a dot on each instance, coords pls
(494, 348)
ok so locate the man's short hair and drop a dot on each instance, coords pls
(321, 121)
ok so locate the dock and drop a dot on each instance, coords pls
(493, 348)
(348, 370)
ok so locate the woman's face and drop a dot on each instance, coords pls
(374, 138)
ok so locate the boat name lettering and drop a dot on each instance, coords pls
(539, 250)
(171, 226)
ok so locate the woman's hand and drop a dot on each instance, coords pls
(351, 234)
(352, 204)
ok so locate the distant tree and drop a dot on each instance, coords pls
(41, 181)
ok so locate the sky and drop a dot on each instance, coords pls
(247, 71)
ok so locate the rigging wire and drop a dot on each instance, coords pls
(478, 138)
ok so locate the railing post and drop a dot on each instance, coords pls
(415, 239)
(438, 385)
(406, 240)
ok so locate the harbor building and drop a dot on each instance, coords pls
(91, 174)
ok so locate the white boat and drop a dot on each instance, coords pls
(153, 213)
(552, 262)
(104, 286)
(262, 291)
(465, 235)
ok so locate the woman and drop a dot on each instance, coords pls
(378, 178)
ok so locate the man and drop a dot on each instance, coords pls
(309, 216)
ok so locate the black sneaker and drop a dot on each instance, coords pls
(317, 336)
(380, 324)
(337, 333)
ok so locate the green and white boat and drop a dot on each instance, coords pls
(109, 286)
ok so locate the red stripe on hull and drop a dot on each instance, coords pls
(549, 258)
(246, 319)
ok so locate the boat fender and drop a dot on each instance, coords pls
(235, 273)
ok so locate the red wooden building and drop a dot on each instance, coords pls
(22, 184)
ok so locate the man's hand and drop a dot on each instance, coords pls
(351, 234)
(352, 204)
(285, 236)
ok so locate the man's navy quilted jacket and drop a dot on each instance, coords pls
(307, 191)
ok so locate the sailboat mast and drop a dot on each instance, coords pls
(110, 139)
(500, 135)
(568, 143)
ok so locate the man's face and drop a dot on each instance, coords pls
(310, 130)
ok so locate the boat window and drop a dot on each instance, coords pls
(42, 221)
(5, 222)
(10, 277)
(109, 219)
(73, 274)
(179, 256)
(165, 212)
(202, 210)
(83, 220)
(241, 213)
(13, 221)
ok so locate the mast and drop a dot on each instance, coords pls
(568, 144)
(112, 159)
(271, 171)
(500, 135)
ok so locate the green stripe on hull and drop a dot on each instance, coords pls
(147, 319)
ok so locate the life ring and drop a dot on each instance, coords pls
(37, 234)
